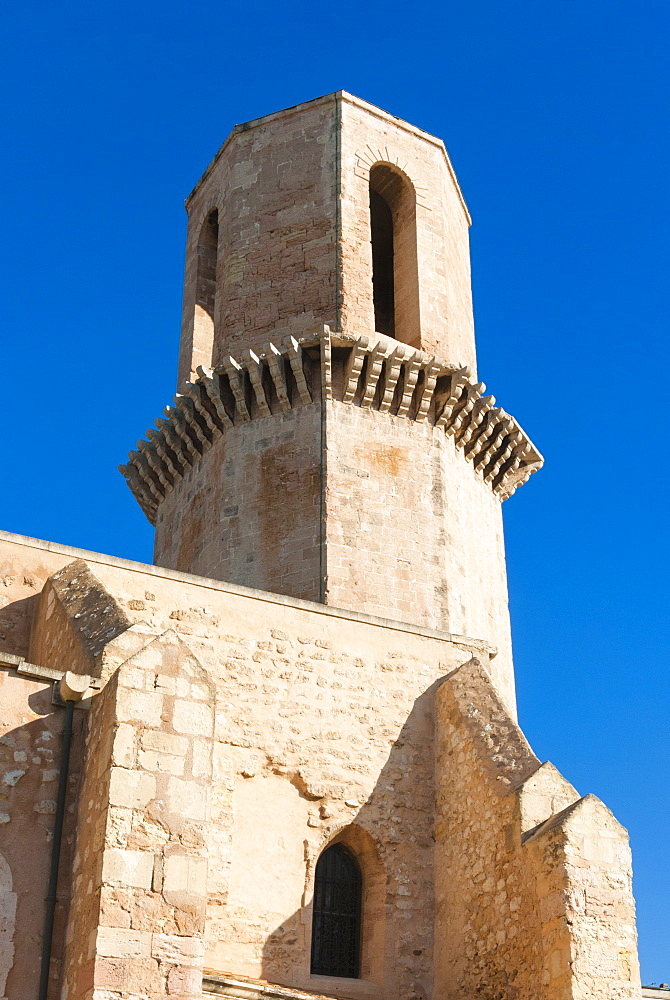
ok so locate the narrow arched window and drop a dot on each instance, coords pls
(381, 237)
(205, 287)
(395, 279)
(336, 915)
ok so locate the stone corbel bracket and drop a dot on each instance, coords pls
(376, 372)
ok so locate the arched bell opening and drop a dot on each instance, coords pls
(205, 287)
(395, 276)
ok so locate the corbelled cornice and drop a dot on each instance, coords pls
(370, 372)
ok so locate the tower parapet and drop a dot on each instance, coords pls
(372, 373)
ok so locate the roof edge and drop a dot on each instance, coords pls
(260, 595)
(333, 98)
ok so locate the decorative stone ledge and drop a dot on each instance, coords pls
(376, 373)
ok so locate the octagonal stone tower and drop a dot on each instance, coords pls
(329, 439)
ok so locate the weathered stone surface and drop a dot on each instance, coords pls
(310, 453)
(134, 789)
(536, 905)
(75, 607)
(133, 869)
(195, 719)
(231, 735)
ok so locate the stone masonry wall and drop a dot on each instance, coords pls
(140, 871)
(389, 518)
(328, 725)
(533, 884)
(586, 904)
(250, 512)
(411, 533)
(273, 183)
(320, 735)
(30, 748)
(369, 136)
(323, 729)
(292, 194)
(322, 723)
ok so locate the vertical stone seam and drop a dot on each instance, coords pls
(323, 564)
(338, 212)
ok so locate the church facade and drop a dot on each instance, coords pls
(284, 760)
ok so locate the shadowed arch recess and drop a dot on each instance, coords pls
(395, 274)
(336, 916)
(205, 288)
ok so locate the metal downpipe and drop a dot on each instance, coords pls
(51, 898)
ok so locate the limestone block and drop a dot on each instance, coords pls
(183, 687)
(188, 951)
(194, 719)
(139, 706)
(134, 789)
(121, 648)
(111, 973)
(123, 747)
(166, 684)
(199, 693)
(183, 873)
(164, 743)
(128, 868)
(137, 678)
(202, 759)
(181, 981)
(119, 825)
(130, 977)
(545, 793)
(165, 763)
(149, 659)
(120, 942)
(187, 799)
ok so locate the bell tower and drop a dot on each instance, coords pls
(329, 439)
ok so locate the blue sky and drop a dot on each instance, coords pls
(555, 117)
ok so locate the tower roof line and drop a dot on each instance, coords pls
(337, 95)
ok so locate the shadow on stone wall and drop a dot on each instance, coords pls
(15, 623)
(392, 836)
(30, 765)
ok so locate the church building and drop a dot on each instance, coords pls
(283, 761)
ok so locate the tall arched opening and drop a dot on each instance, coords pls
(395, 274)
(205, 287)
(336, 914)
(348, 909)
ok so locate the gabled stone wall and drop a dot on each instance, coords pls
(533, 883)
(139, 876)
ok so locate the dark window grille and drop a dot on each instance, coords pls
(336, 916)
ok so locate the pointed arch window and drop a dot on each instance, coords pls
(336, 915)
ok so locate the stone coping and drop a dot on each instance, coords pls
(245, 988)
(371, 372)
(333, 98)
(475, 645)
